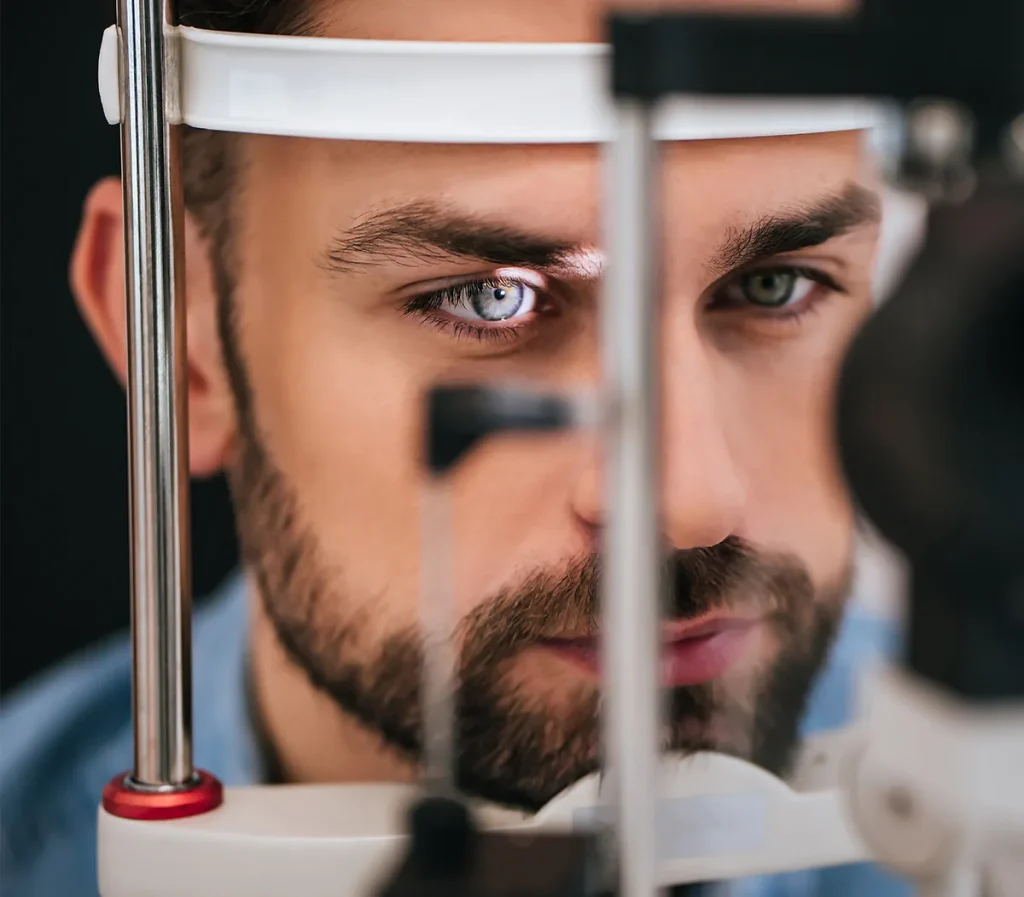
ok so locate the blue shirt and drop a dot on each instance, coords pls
(65, 735)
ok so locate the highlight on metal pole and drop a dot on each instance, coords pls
(163, 782)
(631, 585)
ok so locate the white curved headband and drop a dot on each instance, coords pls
(439, 93)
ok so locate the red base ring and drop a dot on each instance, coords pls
(122, 800)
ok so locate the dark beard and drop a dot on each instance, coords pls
(513, 750)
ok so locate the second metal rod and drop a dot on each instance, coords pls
(632, 594)
(157, 393)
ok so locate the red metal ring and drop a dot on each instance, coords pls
(122, 800)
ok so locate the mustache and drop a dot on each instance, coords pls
(732, 575)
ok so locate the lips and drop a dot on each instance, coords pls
(694, 651)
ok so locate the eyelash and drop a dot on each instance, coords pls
(427, 304)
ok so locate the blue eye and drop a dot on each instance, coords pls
(491, 302)
(480, 309)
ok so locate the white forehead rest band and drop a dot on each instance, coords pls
(487, 93)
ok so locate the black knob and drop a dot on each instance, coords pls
(931, 429)
(443, 836)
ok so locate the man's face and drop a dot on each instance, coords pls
(365, 273)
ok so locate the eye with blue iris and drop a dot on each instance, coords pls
(490, 302)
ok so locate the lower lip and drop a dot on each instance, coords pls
(683, 662)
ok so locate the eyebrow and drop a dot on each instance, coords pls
(424, 232)
(803, 227)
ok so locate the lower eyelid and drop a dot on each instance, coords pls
(501, 336)
(482, 331)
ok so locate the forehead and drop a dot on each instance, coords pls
(706, 186)
(517, 20)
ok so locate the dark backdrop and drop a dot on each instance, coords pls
(63, 496)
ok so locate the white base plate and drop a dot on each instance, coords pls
(722, 818)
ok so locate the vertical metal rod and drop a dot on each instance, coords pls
(632, 582)
(438, 617)
(157, 384)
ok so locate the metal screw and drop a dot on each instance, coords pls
(936, 150)
(900, 802)
(940, 131)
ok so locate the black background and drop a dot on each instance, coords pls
(63, 449)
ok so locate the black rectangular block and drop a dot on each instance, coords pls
(504, 864)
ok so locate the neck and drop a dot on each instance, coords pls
(312, 739)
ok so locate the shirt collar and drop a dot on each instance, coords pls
(225, 737)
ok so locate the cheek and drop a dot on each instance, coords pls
(338, 415)
(783, 439)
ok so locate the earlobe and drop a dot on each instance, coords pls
(98, 283)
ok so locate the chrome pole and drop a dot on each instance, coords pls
(632, 597)
(157, 393)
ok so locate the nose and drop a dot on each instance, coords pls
(702, 492)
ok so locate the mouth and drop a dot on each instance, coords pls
(693, 651)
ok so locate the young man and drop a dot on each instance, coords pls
(328, 283)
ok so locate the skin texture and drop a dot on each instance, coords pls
(305, 385)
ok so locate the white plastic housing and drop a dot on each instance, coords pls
(721, 818)
(439, 92)
(940, 783)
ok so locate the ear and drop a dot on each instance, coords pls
(98, 283)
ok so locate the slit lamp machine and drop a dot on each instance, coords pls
(930, 422)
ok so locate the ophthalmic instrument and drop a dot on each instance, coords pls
(931, 430)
